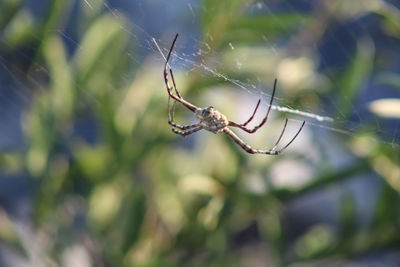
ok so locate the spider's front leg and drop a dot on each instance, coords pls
(252, 116)
(243, 126)
(178, 96)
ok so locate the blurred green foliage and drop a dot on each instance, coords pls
(145, 198)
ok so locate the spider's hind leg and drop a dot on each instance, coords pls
(171, 118)
(187, 132)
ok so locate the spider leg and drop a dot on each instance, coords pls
(187, 132)
(173, 82)
(171, 118)
(291, 141)
(251, 150)
(245, 146)
(178, 96)
(252, 116)
(242, 126)
(280, 136)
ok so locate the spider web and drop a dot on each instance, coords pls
(194, 55)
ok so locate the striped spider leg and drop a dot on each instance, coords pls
(183, 130)
(214, 121)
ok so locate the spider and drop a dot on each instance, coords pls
(214, 121)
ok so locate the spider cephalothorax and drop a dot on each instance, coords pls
(211, 119)
(214, 121)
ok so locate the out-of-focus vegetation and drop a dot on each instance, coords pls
(111, 185)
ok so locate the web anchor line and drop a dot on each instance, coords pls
(302, 113)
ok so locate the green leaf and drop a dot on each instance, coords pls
(57, 13)
(355, 75)
(391, 18)
(348, 217)
(8, 9)
(135, 211)
(62, 94)
(218, 17)
(20, 31)
(101, 46)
